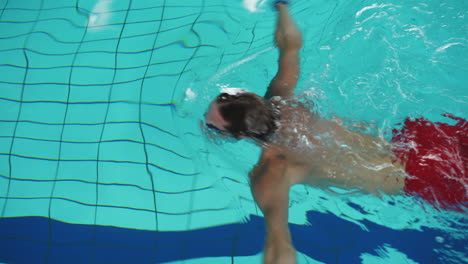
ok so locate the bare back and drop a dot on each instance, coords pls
(326, 153)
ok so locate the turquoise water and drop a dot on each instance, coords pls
(101, 103)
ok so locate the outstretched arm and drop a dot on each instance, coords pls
(288, 38)
(270, 188)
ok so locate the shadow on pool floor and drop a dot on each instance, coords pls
(330, 240)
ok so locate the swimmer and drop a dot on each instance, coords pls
(300, 147)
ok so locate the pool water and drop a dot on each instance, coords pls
(103, 159)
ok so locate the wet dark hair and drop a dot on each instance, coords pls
(248, 114)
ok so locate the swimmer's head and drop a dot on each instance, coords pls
(242, 115)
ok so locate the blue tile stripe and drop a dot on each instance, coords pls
(329, 239)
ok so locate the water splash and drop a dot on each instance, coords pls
(254, 5)
(100, 15)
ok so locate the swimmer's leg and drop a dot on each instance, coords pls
(288, 38)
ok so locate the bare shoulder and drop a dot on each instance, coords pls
(273, 154)
(273, 159)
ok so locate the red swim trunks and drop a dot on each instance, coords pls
(436, 156)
